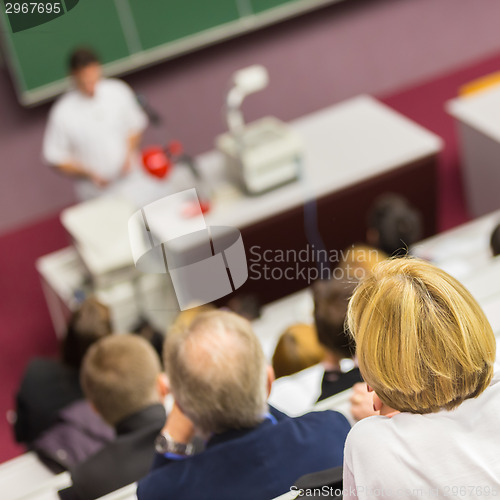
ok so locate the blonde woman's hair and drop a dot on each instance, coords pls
(423, 343)
(218, 372)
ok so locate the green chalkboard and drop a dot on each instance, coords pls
(160, 21)
(39, 35)
(42, 51)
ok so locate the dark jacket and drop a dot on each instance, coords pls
(254, 464)
(125, 460)
(48, 386)
(78, 433)
(336, 381)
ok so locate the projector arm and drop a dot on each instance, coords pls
(245, 82)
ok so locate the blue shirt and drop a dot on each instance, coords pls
(258, 463)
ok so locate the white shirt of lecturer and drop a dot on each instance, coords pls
(94, 132)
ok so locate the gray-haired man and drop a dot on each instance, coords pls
(220, 380)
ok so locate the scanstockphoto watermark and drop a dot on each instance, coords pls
(456, 491)
(308, 263)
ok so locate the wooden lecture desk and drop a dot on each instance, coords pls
(354, 152)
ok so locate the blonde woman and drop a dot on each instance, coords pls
(426, 349)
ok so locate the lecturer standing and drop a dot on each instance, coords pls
(94, 130)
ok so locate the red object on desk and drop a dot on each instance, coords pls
(156, 162)
(194, 209)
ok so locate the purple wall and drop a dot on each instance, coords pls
(372, 46)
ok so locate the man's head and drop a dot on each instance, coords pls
(218, 373)
(121, 376)
(393, 224)
(85, 69)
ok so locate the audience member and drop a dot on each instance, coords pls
(495, 241)
(359, 260)
(297, 348)
(121, 377)
(330, 308)
(426, 349)
(220, 381)
(337, 370)
(185, 318)
(49, 385)
(393, 225)
(77, 433)
(245, 304)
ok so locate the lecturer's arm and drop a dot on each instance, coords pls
(133, 143)
(74, 169)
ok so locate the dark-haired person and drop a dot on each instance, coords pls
(495, 241)
(121, 377)
(330, 308)
(49, 385)
(94, 130)
(337, 371)
(393, 225)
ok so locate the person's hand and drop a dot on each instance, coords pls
(362, 402)
(127, 166)
(179, 426)
(98, 181)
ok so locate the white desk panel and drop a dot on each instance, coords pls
(478, 119)
(480, 111)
